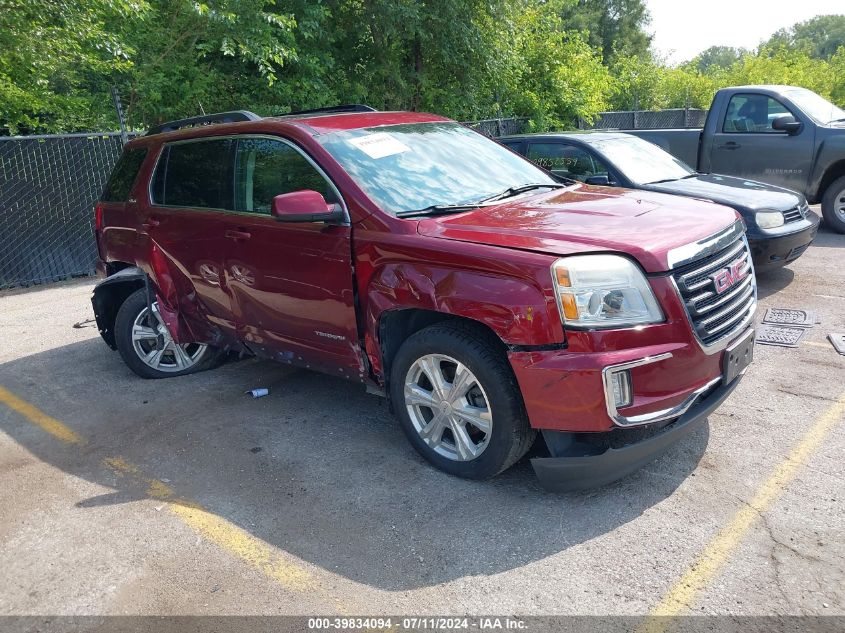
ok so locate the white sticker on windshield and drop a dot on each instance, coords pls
(379, 145)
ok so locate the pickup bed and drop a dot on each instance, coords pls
(782, 135)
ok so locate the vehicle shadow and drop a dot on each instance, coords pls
(318, 468)
(828, 238)
(771, 282)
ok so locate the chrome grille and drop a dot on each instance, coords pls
(716, 315)
(793, 215)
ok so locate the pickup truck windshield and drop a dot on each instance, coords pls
(640, 161)
(417, 165)
(815, 106)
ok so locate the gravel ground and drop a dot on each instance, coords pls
(184, 496)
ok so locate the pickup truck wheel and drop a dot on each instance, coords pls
(833, 205)
(458, 401)
(148, 349)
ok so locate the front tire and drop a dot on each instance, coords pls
(458, 402)
(833, 205)
(148, 349)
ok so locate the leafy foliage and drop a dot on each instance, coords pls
(820, 37)
(552, 61)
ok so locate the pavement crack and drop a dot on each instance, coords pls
(806, 394)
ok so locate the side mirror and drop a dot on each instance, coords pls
(305, 206)
(786, 123)
(602, 180)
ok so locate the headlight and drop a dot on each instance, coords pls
(769, 219)
(603, 291)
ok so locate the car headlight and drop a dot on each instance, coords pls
(769, 219)
(603, 291)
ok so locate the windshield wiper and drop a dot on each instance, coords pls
(657, 182)
(512, 191)
(444, 209)
(438, 209)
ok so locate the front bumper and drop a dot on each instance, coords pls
(776, 248)
(577, 469)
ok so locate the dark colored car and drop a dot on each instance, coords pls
(782, 135)
(780, 223)
(489, 303)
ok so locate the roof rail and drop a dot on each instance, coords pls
(340, 109)
(205, 119)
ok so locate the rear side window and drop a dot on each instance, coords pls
(123, 175)
(194, 174)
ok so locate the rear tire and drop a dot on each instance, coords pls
(147, 347)
(833, 205)
(458, 401)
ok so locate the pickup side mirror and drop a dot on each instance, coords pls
(787, 123)
(602, 180)
(305, 206)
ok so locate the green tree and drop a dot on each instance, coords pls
(819, 37)
(717, 57)
(208, 56)
(614, 27)
(56, 58)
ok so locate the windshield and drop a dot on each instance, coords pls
(815, 106)
(416, 165)
(640, 161)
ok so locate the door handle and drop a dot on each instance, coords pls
(150, 222)
(237, 235)
(730, 145)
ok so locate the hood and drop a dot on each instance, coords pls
(585, 219)
(743, 195)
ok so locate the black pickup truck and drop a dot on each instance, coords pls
(782, 135)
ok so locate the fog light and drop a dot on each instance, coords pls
(620, 383)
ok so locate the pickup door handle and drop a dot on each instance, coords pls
(730, 145)
(150, 222)
(237, 235)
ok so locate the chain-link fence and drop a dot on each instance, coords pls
(646, 119)
(48, 186)
(499, 127)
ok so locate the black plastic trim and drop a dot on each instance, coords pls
(563, 474)
(206, 119)
(338, 109)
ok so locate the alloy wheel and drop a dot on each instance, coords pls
(448, 407)
(156, 348)
(839, 205)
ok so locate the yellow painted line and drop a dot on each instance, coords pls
(219, 531)
(814, 344)
(710, 562)
(40, 419)
(212, 527)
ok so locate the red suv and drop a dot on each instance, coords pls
(484, 298)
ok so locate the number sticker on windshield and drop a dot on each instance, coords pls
(379, 145)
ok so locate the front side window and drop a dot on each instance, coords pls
(194, 174)
(413, 166)
(265, 168)
(123, 175)
(753, 114)
(566, 161)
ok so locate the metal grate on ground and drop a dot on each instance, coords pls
(48, 186)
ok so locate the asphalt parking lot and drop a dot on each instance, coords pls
(185, 496)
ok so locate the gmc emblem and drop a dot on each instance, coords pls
(729, 276)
